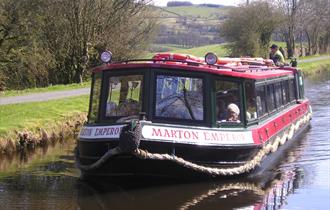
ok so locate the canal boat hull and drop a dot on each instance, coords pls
(131, 167)
(179, 116)
(225, 157)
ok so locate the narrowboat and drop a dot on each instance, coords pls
(179, 116)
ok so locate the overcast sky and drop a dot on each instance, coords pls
(223, 2)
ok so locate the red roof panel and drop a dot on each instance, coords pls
(249, 72)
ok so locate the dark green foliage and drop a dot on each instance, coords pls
(248, 28)
(46, 42)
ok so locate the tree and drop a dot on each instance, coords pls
(289, 10)
(314, 16)
(249, 28)
(23, 58)
(83, 27)
(55, 41)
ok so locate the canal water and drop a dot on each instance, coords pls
(47, 179)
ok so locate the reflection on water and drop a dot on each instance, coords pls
(301, 181)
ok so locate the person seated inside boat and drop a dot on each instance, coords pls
(111, 109)
(128, 107)
(251, 112)
(233, 113)
(221, 110)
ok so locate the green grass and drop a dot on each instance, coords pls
(45, 89)
(218, 49)
(312, 68)
(165, 47)
(38, 114)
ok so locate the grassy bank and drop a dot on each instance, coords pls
(45, 89)
(37, 123)
(315, 67)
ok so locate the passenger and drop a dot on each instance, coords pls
(128, 107)
(111, 109)
(276, 55)
(233, 113)
(221, 110)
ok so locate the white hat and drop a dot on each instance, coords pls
(233, 108)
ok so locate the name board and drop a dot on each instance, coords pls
(194, 136)
(99, 132)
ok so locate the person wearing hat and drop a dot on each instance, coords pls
(233, 113)
(276, 55)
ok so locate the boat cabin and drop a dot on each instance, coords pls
(186, 90)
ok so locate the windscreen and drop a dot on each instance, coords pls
(125, 96)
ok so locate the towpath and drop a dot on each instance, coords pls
(83, 91)
(325, 57)
(46, 96)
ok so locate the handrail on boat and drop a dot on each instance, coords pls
(250, 68)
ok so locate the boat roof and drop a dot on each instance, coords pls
(249, 68)
(248, 72)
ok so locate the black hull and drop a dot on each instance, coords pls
(211, 156)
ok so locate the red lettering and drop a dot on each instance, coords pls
(186, 134)
(173, 134)
(206, 137)
(156, 132)
(195, 134)
(214, 136)
(180, 131)
(166, 134)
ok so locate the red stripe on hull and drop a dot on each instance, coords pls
(267, 130)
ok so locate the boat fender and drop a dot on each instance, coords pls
(129, 139)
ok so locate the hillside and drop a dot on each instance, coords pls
(190, 26)
(195, 11)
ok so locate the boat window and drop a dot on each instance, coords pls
(285, 91)
(227, 101)
(261, 100)
(270, 97)
(278, 94)
(95, 99)
(251, 109)
(179, 97)
(292, 90)
(125, 96)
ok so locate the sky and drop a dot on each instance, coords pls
(222, 2)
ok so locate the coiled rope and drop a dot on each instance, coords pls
(246, 167)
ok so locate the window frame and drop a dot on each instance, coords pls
(240, 105)
(274, 81)
(97, 120)
(179, 73)
(254, 120)
(105, 92)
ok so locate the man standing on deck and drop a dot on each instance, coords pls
(276, 55)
